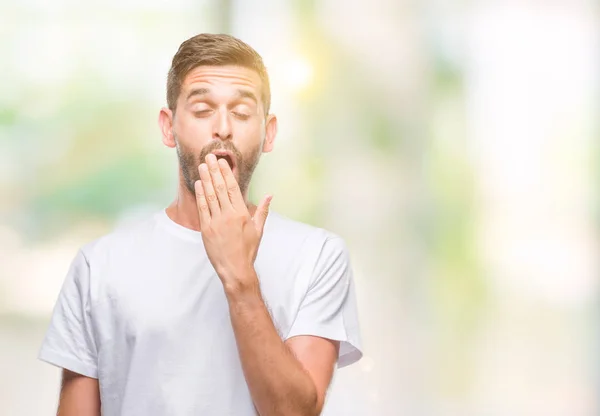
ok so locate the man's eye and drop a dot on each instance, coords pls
(241, 116)
(202, 113)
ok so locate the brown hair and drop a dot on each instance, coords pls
(214, 50)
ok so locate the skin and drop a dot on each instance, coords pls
(79, 395)
(221, 108)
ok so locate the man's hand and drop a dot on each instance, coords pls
(231, 235)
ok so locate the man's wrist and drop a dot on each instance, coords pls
(241, 285)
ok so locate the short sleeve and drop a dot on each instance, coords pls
(329, 308)
(69, 341)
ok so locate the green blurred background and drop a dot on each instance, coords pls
(452, 144)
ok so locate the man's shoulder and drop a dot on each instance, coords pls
(128, 233)
(285, 230)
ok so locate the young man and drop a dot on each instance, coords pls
(213, 306)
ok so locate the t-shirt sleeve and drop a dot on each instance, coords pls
(329, 308)
(69, 341)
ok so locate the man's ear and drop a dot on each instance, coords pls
(270, 133)
(165, 121)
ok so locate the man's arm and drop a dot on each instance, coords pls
(79, 395)
(279, 383)
(318, 356)
(284, 378)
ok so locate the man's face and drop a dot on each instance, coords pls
(220, 111)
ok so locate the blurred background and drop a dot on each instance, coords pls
(453, 144)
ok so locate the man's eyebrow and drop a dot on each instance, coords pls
(247, 94)
(240, 93)
(197, 91)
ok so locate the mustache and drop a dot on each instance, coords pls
(217, 145)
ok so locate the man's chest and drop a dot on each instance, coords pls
(172, 303)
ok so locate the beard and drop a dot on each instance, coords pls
(244, 163)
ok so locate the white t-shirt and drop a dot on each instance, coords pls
(143, 311)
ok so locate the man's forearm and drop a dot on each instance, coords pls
(278, 383)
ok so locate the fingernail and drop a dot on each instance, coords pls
(203, 166)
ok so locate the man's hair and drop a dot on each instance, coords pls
(214, 50)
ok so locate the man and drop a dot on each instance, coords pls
(185, 313)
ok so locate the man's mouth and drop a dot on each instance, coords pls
(224, 154)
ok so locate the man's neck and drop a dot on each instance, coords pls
(184, 210)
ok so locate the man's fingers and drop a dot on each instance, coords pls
(218, 182)
(203, 209)
(209, 190)
(262, 212)
(233, 188)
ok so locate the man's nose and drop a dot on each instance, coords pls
(222, 127)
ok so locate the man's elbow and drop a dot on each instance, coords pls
(297, 402)
(314, 404)
(311, 405)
